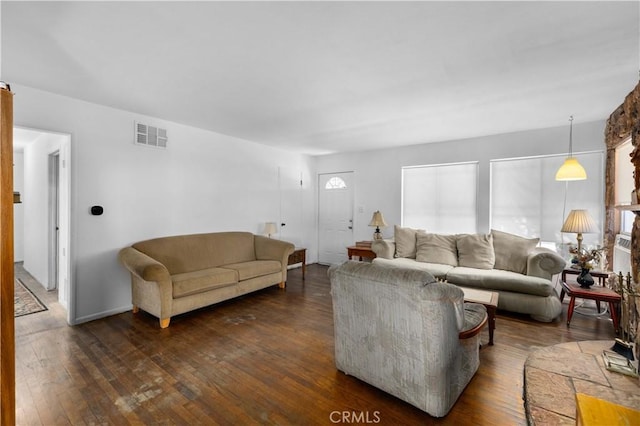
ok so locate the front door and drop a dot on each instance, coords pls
(335, 217)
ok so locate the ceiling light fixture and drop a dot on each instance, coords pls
(571, 169)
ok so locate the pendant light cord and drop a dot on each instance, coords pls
(566, 183)
(571, 136)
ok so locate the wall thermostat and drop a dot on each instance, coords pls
(97, 210)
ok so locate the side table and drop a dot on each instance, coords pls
(597, 293)
(299, 255)
(600, 275)
(361, 252)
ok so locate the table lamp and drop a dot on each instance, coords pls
(270, 228)
(377, 220)
(579, 222)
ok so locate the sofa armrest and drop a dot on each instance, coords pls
(475, 318)
(544, 263)
(151, 284)
(271, 249)
(385, 249)
(143, 266)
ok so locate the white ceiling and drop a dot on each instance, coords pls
(320, 77)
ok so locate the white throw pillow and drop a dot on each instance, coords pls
(436, 248)
(475, 251)
(512, 251)
(405, 239)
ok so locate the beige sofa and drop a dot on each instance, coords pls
(402, 332)
(508, 264)
(177, 274)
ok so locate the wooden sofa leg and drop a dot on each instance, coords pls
(282, 284)
(135, 309)
(164, 322)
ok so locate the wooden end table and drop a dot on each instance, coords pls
(490, 301)
(595, 292)
(299, 255)
(600, 275)
(361, 252)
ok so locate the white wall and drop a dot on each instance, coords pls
(378, 173)
(204, 182)
(18, 209)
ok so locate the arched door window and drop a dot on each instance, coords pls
(335, 183)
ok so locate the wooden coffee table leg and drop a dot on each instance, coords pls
(491, 313)
(572, 304)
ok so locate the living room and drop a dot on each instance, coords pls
(210, 180)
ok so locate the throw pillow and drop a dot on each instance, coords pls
(436, 248)
(405, 241)
(476, 251)
(512, 251)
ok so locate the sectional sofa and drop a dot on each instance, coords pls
(511, 265)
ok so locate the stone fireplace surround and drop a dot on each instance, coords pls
(623, 123)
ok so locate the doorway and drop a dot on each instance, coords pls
(335, 216)
(46, 210)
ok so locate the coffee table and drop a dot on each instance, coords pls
(490, 301)
(595, 292)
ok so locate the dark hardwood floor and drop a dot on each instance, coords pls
(264, 358)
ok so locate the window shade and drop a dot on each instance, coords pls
(527, 200)
(440, 198)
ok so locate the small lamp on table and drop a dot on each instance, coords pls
(377, 220)
(579, 222)
(270, 228)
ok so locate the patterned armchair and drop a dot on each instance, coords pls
(402, 332)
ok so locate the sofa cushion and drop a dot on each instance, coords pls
(475, 251)
(511, 251)
(438, 270)
(405, 239)
(498, 280)
(436, 248)
(256, 268)
(206, 279)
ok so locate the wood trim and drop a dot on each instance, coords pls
(623, 123)
(7, 321)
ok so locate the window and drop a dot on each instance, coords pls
(440, 198)
(335, 183)
(527, 200)
(624, 184)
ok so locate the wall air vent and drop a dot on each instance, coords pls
(622, 254)
(150, 136)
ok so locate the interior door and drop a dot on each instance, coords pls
(335, 217)
(290, 181)
(54, 220)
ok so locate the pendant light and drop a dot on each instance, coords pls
(571, 169)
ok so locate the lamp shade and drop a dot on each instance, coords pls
(270, 228)
(377, 219)
(571, 169)
(579, 222)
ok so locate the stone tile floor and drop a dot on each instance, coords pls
(553, 375)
